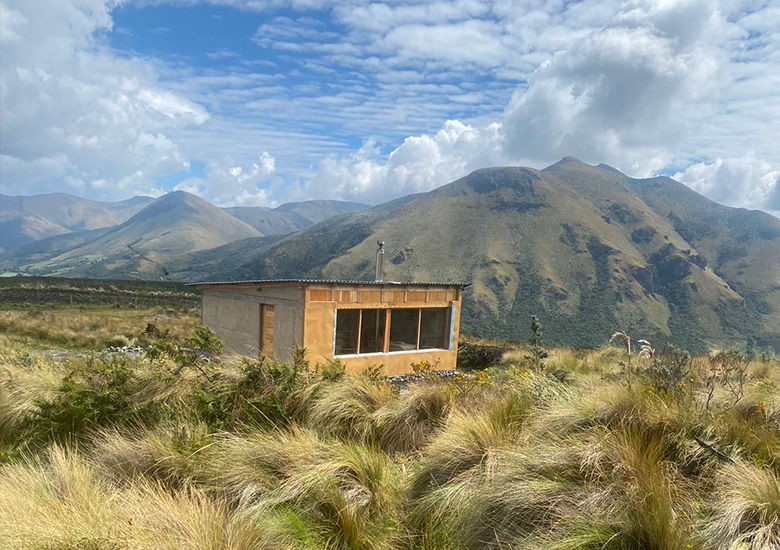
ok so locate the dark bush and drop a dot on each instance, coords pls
(477, 357)
(669, 371)
(262, 395)
(98, 393)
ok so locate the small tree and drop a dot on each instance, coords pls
(538, 352)
(729, 370)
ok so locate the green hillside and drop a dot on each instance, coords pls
(586, 248)
(173, 224)
(27, 219)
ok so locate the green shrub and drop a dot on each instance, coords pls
(98, 393)
(262, 394)
(332, 370)
(670, 371)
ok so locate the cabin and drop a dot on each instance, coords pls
(361, 323)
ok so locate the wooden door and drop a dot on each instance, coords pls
(267, 330)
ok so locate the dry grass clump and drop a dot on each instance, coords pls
(244, 454)
(61, 501)
(528, 496)
(566, 359)
(648, 499)
(348, 408)
(168, 454)
(465, 454)
(471, 441)
(746, 511)
(346, 494)
(24, 378)
(407, 424)
(749, 430)
(373, 412)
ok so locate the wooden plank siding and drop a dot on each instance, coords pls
(356, 297)
(320, 295)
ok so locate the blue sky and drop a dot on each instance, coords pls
(260, 102)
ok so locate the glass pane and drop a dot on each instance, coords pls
(346, 331)
(433, 327)
(372, 332)
(403, 329)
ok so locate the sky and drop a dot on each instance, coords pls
(250, 102)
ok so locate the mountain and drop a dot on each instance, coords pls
(27, 219)
(172, 224)
(167, 228)
(586, 248)
(292, 216)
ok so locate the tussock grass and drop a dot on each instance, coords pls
(749, 430)
(407, 424)
(746, 510)
(24, 378)
(348, 492)
(468, 452)
(349, 408)
(168, 454)
(259, 455)
(61, 501)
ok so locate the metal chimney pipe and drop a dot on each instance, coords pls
(380, 262)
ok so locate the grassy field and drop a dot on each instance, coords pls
(169, 450)
(91, 315)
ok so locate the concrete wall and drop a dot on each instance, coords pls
(233, 313)
(236, 322)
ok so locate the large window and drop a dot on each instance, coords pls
(372, 330)
(434, 328)
(347, 322)
(403, 329)
(365, 330)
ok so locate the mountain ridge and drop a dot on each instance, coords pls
(25, 219)
(588, 249)
(62, 252)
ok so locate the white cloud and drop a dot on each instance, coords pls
(11, 23)
(639, 85)
(420, 163)
(465, 42)
(73, 111)
(738, 181)
(619, 96)
(226, 183)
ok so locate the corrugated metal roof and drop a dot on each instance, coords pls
(330, 282)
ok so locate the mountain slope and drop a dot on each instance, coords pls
(27, 219)
(586, 248)
(175, 223)
(292, 216)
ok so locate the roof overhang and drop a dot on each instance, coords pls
(327, 282)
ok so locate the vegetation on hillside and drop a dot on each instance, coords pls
(178, 448)
(84, 314)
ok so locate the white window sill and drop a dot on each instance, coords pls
(381, 353)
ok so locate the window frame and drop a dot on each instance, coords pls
(447, 333)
